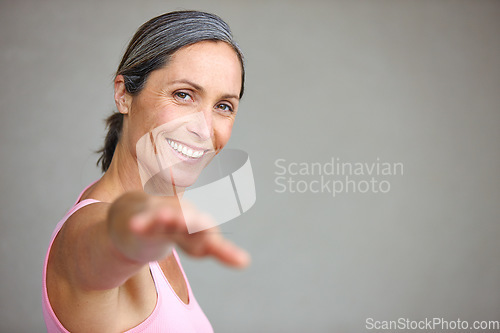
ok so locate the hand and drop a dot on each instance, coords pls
(154, 224)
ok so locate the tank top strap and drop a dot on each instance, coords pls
(164, 287)
(82, 204)
(51, 321)
(73, 209)
(190, 292)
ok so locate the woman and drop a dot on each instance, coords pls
(110, 266)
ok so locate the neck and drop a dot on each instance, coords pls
(121, 177)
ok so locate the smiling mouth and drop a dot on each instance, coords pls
(186, 151)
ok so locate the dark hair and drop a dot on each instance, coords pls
(151, 48)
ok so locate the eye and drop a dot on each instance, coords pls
(183, 95)
(224, 107)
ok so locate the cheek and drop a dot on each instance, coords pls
(170, 120)
(223, 133)
(142, 116)
(167, 112)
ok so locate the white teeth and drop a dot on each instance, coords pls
(185, 150)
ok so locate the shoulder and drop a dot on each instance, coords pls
(97, 310)
(82, 216)
(59, 274)
(87, 213)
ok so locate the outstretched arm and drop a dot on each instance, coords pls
(105, 244)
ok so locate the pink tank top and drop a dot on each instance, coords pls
(170, 314)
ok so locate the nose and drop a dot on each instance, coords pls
(201, 124)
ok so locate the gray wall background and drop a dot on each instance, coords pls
(416, 82)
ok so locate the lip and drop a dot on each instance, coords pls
(187, 159)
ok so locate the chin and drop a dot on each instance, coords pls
(178, 175)
(183, 179)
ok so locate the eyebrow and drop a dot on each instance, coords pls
(200, 88)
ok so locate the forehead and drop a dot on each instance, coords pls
(209, 63)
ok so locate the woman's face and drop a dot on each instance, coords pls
(185, 113)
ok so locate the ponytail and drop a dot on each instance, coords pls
(114, 124)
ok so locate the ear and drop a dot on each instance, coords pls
(123, 99)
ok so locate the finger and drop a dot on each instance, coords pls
(209, 241)
(228, 253)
